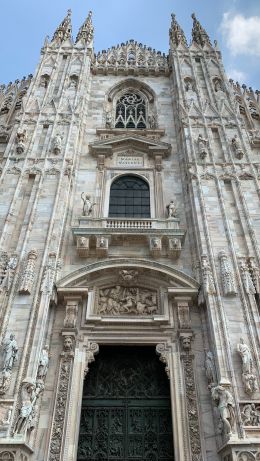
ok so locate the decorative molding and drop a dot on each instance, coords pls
(248, 377)
(29, 273)
(227, 275)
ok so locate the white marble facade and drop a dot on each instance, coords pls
(193, 265)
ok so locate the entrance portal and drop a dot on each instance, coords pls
(126, 408)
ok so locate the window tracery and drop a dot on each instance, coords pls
(131, 111)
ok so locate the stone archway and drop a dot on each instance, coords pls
(126, 407)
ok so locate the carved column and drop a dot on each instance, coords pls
(63, 390)
(191, 396)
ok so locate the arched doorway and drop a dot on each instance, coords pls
(126, 410)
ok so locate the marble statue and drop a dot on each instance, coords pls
(237, 146)
(87, 205)
(56, 144)
(225, 403)
(10, 353)
(43, 363)
(171, 209)
(210, 369)
(202, 146)
(245, 354)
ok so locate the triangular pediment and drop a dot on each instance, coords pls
(144, 144)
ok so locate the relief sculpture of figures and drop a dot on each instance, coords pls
(225, 403)
(248, 377)
(87, 205)
(124, 300)
(251, 415)
(171, 209)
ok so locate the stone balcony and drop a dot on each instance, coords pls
(97, 236)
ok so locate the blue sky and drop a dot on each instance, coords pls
(234, 23)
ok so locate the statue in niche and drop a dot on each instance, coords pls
(10, 353)
(246, 356)
(225, 403)
(218, 85)
(87, 205)
(237, 146)
(202, 145)
(189, 87)
(20, 140)
(43, 363)
(171, 209)
(56, 144)
(210, 369)
(248, 377)
(127, 300)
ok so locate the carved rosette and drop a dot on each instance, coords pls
(29, 273)
(191, 399)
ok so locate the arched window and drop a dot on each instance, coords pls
(129, 198)
(131, 111)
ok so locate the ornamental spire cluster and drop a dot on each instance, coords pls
(86, 32)
(199, 35)
(177, 35)
(63, 32)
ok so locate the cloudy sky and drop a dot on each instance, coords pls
(234, 23)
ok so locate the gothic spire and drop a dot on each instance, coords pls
(199, 35)
(63, 32)
(177, 35)
(86, 32)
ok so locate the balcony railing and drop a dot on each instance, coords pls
(128, 223)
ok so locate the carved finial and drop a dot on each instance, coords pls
(199, 35)
(63, 32)
(177, 35)
(86, 31)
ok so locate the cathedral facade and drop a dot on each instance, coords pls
(130, 257)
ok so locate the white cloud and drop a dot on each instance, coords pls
(242, 34)
(237, 75)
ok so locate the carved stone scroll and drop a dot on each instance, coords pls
(126, 300)
(227, 275)
(29, 273)
(92, 350)
(163, 352)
